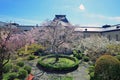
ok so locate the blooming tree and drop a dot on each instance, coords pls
(11, 39)
(54, 36)
(93, 46)
(114, 47)
(5, 47)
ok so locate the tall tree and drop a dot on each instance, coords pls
(93, 46)
(5, 48)
(55, 36)
(11, 39)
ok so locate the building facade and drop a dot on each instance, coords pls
(112, 32)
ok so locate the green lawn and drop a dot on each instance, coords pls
(62, 62)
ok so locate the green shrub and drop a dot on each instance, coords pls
(77, 54)
(21, 64)
(28, 69)
(16, 79)
(86, 58)
(91, 69)
(118, 57)
(22, 74)
(92, 76)
(107, 68)
(12, 76)
(91, 72)
(31, 49)
(31, 57)
(7, 68)
(66, 78)
(5, 76)
(65, 63)
(15, 68)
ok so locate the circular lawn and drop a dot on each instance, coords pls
(63, 64)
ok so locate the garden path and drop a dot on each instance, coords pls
(80, 74)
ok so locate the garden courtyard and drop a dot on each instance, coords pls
(56, 52)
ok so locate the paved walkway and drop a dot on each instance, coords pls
(80, 74)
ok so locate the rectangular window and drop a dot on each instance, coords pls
(117, 37)
(109, 37)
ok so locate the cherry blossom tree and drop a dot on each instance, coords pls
(93, 46)
(114, 47)
(11, 39)
(55, 36)
(5, 47)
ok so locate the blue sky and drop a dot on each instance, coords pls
(82, 12)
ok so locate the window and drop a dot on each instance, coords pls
(109, 37)
(84, 36)
(88, 35)
(116, 37)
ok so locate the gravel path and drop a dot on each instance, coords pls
(80, 74)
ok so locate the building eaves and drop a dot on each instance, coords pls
(98, 29)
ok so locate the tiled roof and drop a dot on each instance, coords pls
(61, 18)
(98, 29)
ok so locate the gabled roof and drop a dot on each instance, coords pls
(61, 18)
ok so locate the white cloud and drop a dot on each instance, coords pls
(103, 17)
(100, 20)
(115, 18)
(96, 16)
(81, 7)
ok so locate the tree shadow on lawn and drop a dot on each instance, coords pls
(57, 71)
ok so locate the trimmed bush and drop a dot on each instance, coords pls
(28, 69)
(5, 76)
(12, 76)
(91, 72)
(118, 57)
(31, 49)
(107, 68)
(31, 57)
(92, 76)
(65, 63)
(7, 68)
(21, 64)
(16, 79)
(86, 58)
(15, 68)
(22, 74)
(91, 69)
(77, 54)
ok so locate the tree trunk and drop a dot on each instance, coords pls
(1, 74)
(57, 58)
(56, 53)
(1, 70)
